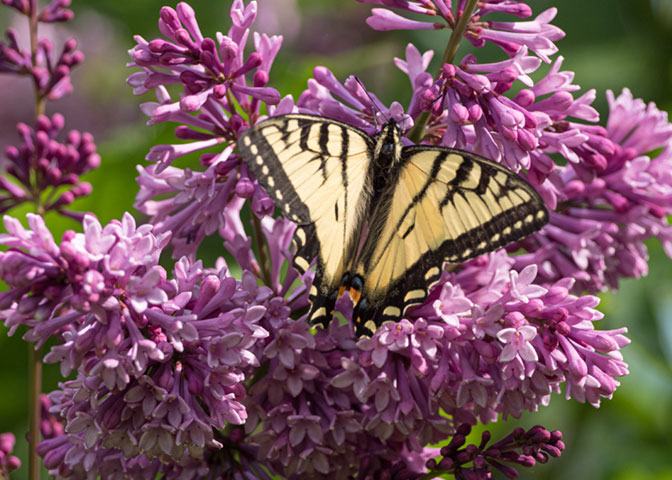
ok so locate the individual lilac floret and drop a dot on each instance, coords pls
(21, 6)
(613, 197)
(8, 462)
(42, 165)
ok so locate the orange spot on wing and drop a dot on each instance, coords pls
(355, 295)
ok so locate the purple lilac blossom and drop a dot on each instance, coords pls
(537, 35)
(611, 204)
(161, 362)
(211, 74)
(43, 170)
(522, 448)
(50, 73)
(41, 164)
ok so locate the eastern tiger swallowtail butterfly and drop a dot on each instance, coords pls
(420, 206)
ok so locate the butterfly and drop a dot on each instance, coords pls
(381, 218)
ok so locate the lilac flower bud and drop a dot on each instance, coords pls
(260, 78)
(8, 462)
(245, 188)
(253, 61)
(22, 6)
(448, 71)
(383, 20)
(168, 21)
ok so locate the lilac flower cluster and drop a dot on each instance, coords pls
(488, 341)
(51, 76)
(212, 76)
(160, 362)
(537, 35)
(536, 445)
(610, 205)
(45, 172)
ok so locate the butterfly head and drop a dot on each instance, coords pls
(388, 147)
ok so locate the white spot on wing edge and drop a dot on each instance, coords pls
(432, 272)
(320, 312)
(302, 263)
(371, 325)
(301, 235)
(414, 295)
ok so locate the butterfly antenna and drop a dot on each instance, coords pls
(374, 107)
(442, 96)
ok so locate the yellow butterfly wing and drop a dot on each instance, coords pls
(446, 206)
(316, 171)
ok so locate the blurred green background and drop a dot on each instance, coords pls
(610, 44)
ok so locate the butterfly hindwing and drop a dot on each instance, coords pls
(446, 206)
(316, 172)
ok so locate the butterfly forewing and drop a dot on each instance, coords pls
(316, 172)
(446, 206)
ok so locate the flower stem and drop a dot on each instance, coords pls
(417, 133)
(34, 356)
(458, 34)
(40, 104)
(35, 389)
(264, 261)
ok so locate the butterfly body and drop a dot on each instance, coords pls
(381, 218)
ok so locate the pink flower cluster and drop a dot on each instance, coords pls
(41, 164)
(161, 362)
(211, 73)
